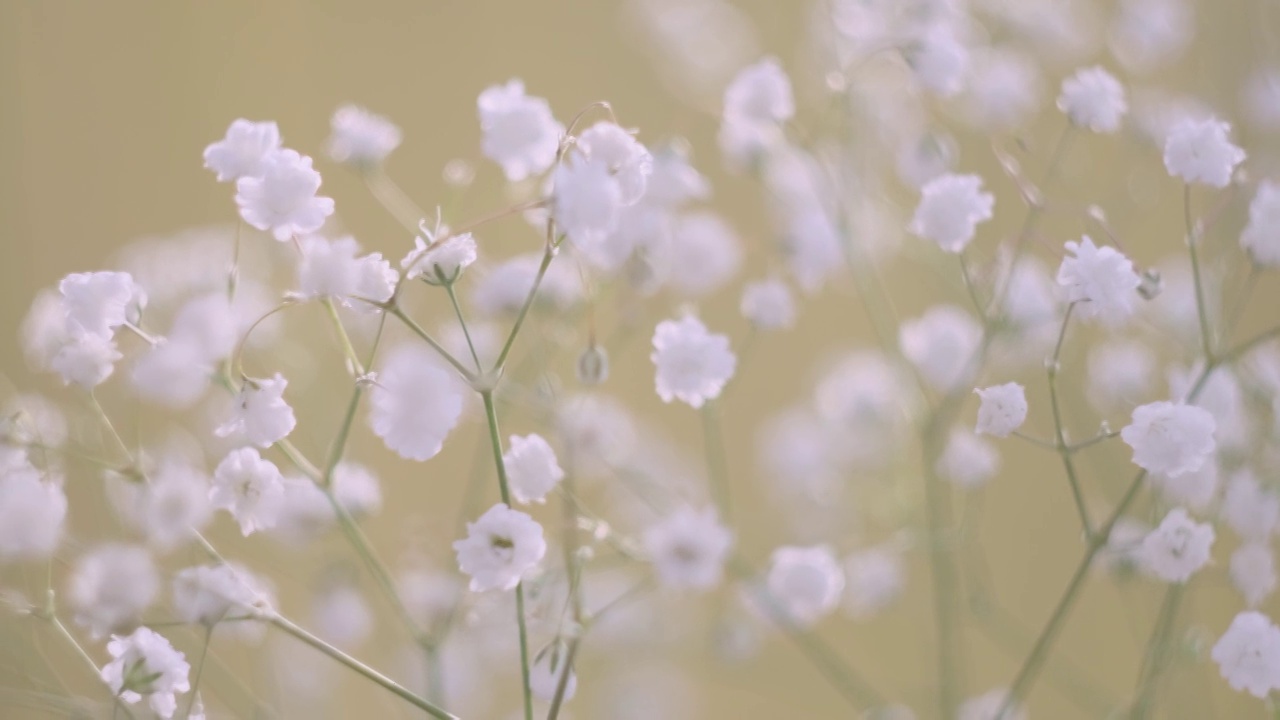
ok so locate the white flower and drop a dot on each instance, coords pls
(1120, 374)
(260, 415)
(1093, 99)
(519, 131)
(86, 360)
(360, 137)
(1100, 279)
(987, 706)
(1248, 654)
(1193, 490)
(1148, 34)
(629, 162)
(768, 305)
(587, 201)
(111, 585)
(97, 303)
(544, 676)
(32, 514)
(1168, 438)
(207, 594)
(806, 582)
(415, 403)
(445, 259)
(1261, 237)
(1253, 572)
(1177, 548)
(1198, 151)
(144, 663)
(243, 152)
(1003, 89)
(1003, 409)
(968, 460)
(939, 60)
(248, 487)
(760, 94)
(951, 206)
(532, 470)
(688, 548)
(942, 344)
(283, 198)
(174, 505)
(692, 364)
(704, 253)
(1252, 511)
(874, 579)
(330, 269)
(174, 373)
(500, 549)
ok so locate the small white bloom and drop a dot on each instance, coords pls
(519, 131)
(1092, 98)
(1003, 91)
(260, 415)
(874, 579)
(768, 305)
(968, 461)
(207, 594)
(1248, 654)
(174, 373)
(144, 663)
(360, 137)
(1252, 511)
(283, 199)
(1261, 237)
(331, 269)
(532, 470)
(1253, 572)
(243, 152)
(32, 514)
(97, 303)
(1198, 151)
(756, 104)
(987, 706)
(1123, 552)
(951, 206)
(629, 162)
(415, 404)
(248, 487)
(174, 505)
(1120, 374)
(587, 201)
(445, 259)
(86, 360)
(942, 344)
(111, 585)
(1193, 490)
(688, 548)
(1168, 438)
(504, 287)
(1177, 548)
(704, 253)
(544, 676)
(806, 582)
(939, 60)
(692, 364)
(1100, 279)
(1148, 34)
(501, 547)
(1003, 409)
(1261, 98)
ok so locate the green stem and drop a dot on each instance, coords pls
(1202, 310)
(562, 684)
(354, 664)
(93, 666)
(1064, 451)
(547, 256)
(426, 337)
(717, 468)
(466, 332)
(195, 681)
(1157, 651)
(348, 349)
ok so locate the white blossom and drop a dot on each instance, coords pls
(756, 104)
(1249, 508)
(1177, 548)
(692, 364)
(111, 585)
(331, 269)
(97, 303)
(445, 259)
(942, 344)
(1194, 490)
(1170, 438)
(1003, 409)
(1148, 34)
(939, 60)
(1119, 375)
(360, 137)
(342, 616)
(968, 460)
(1004, 89)
(629, 163)
(1253, 572)
(1199, 151)
(688, 548)
(532, 469)
(1093, 99)
(415, 404)
(519, 131)
(704, 254)
(806, 582)
(1248, 654)
(768, 305)
(86, 360)
(208, 594)
(1261, 236)
(244, 150)
(145, 664)
(501, 547)
(32, 513)
(874, 579)
(951, 206)
(283, 198)
(260, 415)
(1100, 280)
(248, 487)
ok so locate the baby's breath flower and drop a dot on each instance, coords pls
(806, 582)
(875, 579)
(942, 344)
(968, 461)
(441, 261)
(501, 547)
(1248, 654)
(111, 585)
(360, 137)
(415, 404)
(243, 152)
(532, 470)
(1253, 572)
(1177, 548)
(1249, 508)
(144, 663)
(1101, 280)
(768, 305)
(1170, 439)
(1261, 236)
(988, 706)
(260, 415)
(283, 198)
(688, 548)
(207, 594)
(1093, 99)
(519, 131)
(250, 488)
(1198, 151)
(1003, 409)
(692, 364)
(32, 512)
(951, 206)
(330, 269)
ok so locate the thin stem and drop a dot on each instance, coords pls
(562, 684)
(938, 511)
(466, 332)
(354, 664)
(339, 445)
(495, 441)
(348, 349)
(1100, 437)
(1035, 440)
(233, 275)
(426, 337)
(547, 256)
(1153, 660)
(970, 288)
(496, 215)
(1202, 310)
(393, 199)
(717, 468)
(195, 681)
(1059, 435)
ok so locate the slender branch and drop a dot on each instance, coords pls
(562, 684)
(1202, 310)
(426, 337)
(1064, 451)
(466, 332)
(717, 468)
(1157, 650)
(393, 199)
(93, 666)
(348, 349)
(547, 257)
(195, 681)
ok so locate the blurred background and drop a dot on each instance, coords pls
(107, 107)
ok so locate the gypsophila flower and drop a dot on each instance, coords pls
(145, 664)
(968, 461)
(1123, 551)
(501, 547)
(768, 305)
(441, 261)
(988, 705)
(244, 150)
(1093, 99)
(1003, 91)
(1177, 548)
(951, 206)
(1261, 236)
(283, 198)
(1249, 508)
(1101, 280)
(1119, 375)
(756, 104)
(688, 548)
(208, 594)
(1170, 438)
(360, 137)
(32, 513)
(942, 344)
(692, 364)
(939, 60)
(1003, 409)
(629, 162)
(532, 470)
(1253, 572)
(806, 582)
(260, 415)
(1248, 654)
(111, 585)
(330, 269)
(519, 131)
(86, 360)
(704, 253)
(544, 676)
(248, 487)
(1198, 151)
(874, 579)
(1194, 490)
(97, 303)
(415, 403)
(588, 200)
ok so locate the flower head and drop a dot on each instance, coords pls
(500, 548)
(692, 364)
(439, 261)
(941, 344)
(283, 198)
(415, 403)
(688, 548)
(331, 269)
(1093, 99)
(1261, 236)
(111, 585)
(532, 470)
(875, 578)
(32, 513)
(250, 488)
(806, 581)
(144, 663)
(360, 137)
(1198, 151)
(1177, 548)
(1100, 279)
(951, 206)
(1253, 572)
(519, 131)
(260, 415)
(1248, 654)
(768, 305)
(1170, 439)
(243, 152)
(1003, 409)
